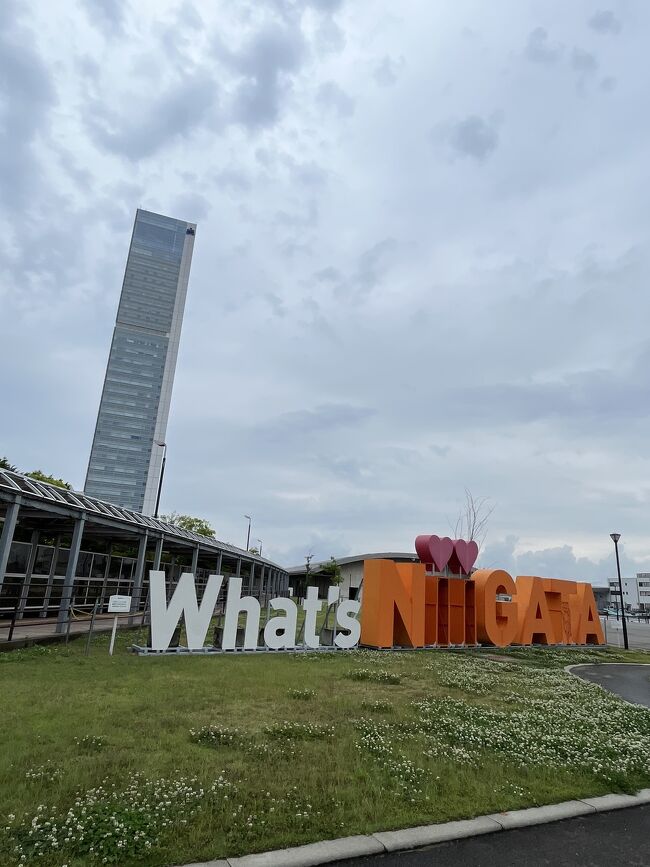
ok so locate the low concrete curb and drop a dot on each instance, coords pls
(327, 851)
(541, 815)
(428, 835)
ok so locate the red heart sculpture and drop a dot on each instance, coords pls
(464, 557)
(422, 548)
(433, 549)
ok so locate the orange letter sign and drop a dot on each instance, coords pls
(496, 622)
(393, 604)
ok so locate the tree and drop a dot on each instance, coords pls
(40, 476)
(5, 465)
(189, 523)
(473, 518)
(255, 551)
(332, 570)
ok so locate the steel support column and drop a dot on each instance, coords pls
(70, 573)
(195, 560)
(50, 578)
(24, 592)
(157, 554)
(107, 570)
(139, 576)
(7, 536)
(219, 563)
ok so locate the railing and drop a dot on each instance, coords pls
(81, 622)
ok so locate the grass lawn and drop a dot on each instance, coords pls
(159, 761)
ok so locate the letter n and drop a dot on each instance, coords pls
(393, 608)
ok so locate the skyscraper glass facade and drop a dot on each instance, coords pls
(126, 457)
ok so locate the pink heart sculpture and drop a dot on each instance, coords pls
(433, 549)
(464, 556)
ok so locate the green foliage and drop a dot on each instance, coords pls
(332, 570)
(189, 523)
(5, 465)
(40, 476)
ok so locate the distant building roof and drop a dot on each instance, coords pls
(358, 558)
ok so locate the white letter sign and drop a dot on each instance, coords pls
(279, 631)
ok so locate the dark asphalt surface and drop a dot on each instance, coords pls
(631, 682)
(618, 839)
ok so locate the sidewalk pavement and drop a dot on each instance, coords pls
(44, 630)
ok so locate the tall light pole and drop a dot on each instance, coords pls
(162, 474)
(260, 541)
(615, 537)
(248, 536)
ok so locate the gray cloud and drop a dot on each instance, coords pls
(557, 562)
(265, 64)
(474, 137)
(605, 21)
(328, 275)
(329, 36)
(160, 121)
(539, 49)
(371, 268)
(331, 96)
(584, 61)
(107, 15)
(385, 73)
(602, 397)
(28, 96)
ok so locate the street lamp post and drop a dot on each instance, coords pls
(615, 537)
(248, 536)
(260, 541)
(162, 474)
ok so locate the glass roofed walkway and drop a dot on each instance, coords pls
(63, 553)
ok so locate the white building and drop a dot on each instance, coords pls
(351, 573)
(636, 592)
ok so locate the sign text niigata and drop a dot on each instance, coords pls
(441, 601)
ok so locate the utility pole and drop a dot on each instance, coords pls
(615, 537)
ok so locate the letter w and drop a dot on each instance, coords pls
(183, 603)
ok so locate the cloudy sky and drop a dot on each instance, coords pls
(421, 264)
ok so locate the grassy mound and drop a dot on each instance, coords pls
(159, 761)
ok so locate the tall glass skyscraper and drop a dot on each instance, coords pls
(126, 456)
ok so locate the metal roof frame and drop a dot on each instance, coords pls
(51, 498)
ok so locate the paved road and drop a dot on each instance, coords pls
(638, 633)
(631, 682)
(600, 840)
